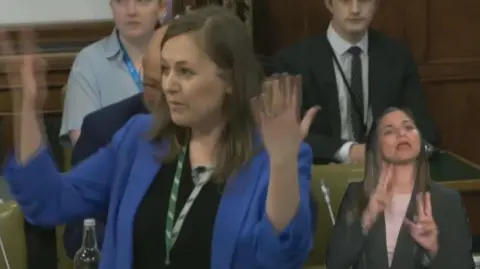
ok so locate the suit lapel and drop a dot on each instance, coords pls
(138, 180)
(232, 211)
(145, 167)
(377, 244)
(324, 75)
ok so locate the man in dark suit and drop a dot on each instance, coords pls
(99, 127)
(354, 73)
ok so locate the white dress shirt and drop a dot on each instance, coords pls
(340, 47)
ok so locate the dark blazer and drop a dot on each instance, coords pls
(97, 131)
(99, 127)
(349, 248)
(393, 81)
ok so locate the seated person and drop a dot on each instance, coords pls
(397, 217)
(108, 71)
(354, 73)
(99, 127)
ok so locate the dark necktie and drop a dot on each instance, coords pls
(356, 100)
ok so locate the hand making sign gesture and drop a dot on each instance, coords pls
(25, 70)
(423, 228)
(26, 76)
(277, 113)
(380, 198)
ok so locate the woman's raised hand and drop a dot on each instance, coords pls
(26, 76)
(25, 70)
(277, 112)
(423, 228)
(380, 198)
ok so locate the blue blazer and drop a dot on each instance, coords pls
(98, 128)
(115, 179)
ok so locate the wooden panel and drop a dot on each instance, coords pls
(454, 106)
(391, 19)
(73, 31)
(452, 26)
(471, 201)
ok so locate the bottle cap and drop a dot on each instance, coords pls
(89, 222)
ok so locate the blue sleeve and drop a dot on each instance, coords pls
(49, 198)
(289, 248)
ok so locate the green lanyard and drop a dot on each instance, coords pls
(172, 228)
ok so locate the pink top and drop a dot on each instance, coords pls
(394, 217)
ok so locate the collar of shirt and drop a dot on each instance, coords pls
(111, 45)
(340, 46)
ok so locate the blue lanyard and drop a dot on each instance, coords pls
(134, 73)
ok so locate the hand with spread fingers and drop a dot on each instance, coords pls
(25, 70)
(423, 228)
(26, 76)
(380, 198)
(277, 113)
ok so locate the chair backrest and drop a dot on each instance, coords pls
(336, 178)
(64, 262)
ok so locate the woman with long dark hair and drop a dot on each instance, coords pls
(397, 217)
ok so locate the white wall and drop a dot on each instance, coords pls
(21, 12)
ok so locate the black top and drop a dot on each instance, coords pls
(193, 246)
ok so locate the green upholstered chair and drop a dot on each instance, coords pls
(337, 178)
(67, 159)
(316, 267)
(13, 236)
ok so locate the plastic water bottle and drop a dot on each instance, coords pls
(88, 256)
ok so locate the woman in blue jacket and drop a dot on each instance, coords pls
(217, 177)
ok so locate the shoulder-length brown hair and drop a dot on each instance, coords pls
(225, 39)
(374, 163)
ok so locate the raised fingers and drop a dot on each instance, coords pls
(428, 205)
(281, 93)
(28, 41)
(420, 207)
(297, 93)
(267, 95)
(384, 182)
